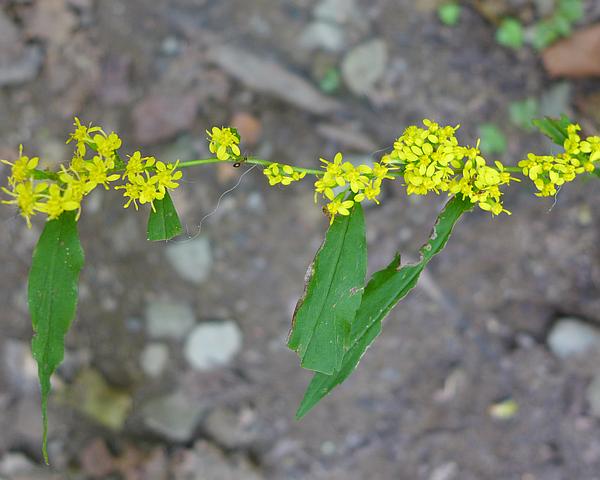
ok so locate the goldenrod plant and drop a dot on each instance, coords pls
(340, 313)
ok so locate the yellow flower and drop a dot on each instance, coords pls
(371, 192)
(362, 180)
(81, 135)
(167, 176)
(136, 165)
(591, 146)
(334, 176)
(429, 157)
(26, 196)
(148, 190)
(58, 201)
(132, 193)
(551, 172)
(22, 168)
(285, 174)
(339, 207)
(107, 145)
(355, 176)
(224, 143)
(381, 171)
(77, 164)
(98, 173)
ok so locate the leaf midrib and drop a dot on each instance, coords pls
(50, 274)
(330, 283)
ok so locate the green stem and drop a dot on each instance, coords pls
(249, 160)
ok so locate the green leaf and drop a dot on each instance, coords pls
(554, 128)
(492, 139)
(53, 278)
(385, 289)
(324, 315)
(562, 25)
(510, 33)
(572, 10)
(163, 223)
(544, 34)
(449, 13)
(522, 113)
(331, 81)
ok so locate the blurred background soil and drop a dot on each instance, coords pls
(176, 366)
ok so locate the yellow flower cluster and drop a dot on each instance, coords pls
(146, 178)
(432, 160)
(428, 156)
(343, 184)
(549, 172)
(481, 183)
(284, 174)
(224, 142)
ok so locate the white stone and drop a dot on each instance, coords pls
(364, 65)
(593, 396)
(175, 416)
(167, 319)
(572, 337)
(154, 358)
(323, 35)
(192, 260)
(336, 11)
(213, 344)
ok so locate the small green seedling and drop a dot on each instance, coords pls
(449, 13)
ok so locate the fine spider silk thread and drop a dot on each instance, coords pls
(214, 211)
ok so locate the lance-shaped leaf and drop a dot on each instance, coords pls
(163, 223)
(385, 289)
(554, 128)
(323, 317)
(52, 293)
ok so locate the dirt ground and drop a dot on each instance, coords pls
(134, 399)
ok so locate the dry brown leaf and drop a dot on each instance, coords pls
(575, 57)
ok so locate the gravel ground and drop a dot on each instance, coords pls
(509, 311)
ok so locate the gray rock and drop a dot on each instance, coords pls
(16, 464)
(556, 100)
(162, 116)
(19, 366)
(154, 358)
(337, 11)
(364, 65)
(167, 319)
(231, 429)
(125, 235)
(174, 416)
(181, 149)
(571, 337)
(10, 45)
(191, 259)
(25, 421)
(255, 202)
(322, 35)
(265, 75)
(213, 344)
(593, 396)
(347, 136)
(18, 63)
(447, 471)
(205, 462)
(24, 69)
